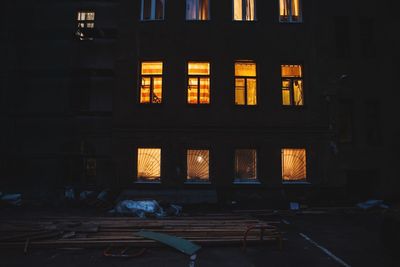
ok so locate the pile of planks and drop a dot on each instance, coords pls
(88, 232)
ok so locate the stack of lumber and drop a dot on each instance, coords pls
(205, 230)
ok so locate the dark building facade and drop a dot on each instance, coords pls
(195, 100)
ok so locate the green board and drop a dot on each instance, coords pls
(180, 244)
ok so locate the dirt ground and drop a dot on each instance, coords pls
(334, 239)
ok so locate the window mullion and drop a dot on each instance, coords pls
(245, 91)
(292, 101)
(243, 9)
(151, 89)
(198, 89)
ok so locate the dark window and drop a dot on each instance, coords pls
(245, 165)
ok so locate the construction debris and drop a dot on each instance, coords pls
(87, 232)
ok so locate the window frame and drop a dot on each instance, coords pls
(291, 92)
(244, 13)
(241, 181)
(198, 11)
(151, 103)
(198, 181)
(306, 180)
(290, 16)
(139, 180)
(245, 88)
(83, 25)
(198, 76)
(153, 11)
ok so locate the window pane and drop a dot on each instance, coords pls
(245, 164)
(149, 163)
(204, 10)
(159, 9)
(239, 92)
(199, 68)
(245, 69)
(145, 90)
(295, 9)
(204, 90)
(298, 92)
(192, 90)
(191, 9)
(198, 165)
(237, 9)
(251, 92)
(291, 71)
(152, 68)
(146, 9)
(293, 164)
(286, 97)
(250, 10)
(283, 8)
(90, 16)
(157, 90)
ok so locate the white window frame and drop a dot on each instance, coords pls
(153, 11)
(244, 13)
(290, 16)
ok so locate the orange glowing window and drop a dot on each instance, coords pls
(294, 165)
(198, 165)
(245, 83)
(290, 11)
(198, 83)
(244, 10)
(151, 82)
(148, 164)
(245, 165)
(292, 85)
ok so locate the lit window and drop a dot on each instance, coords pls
(198, 83)
(290, 11)
(198, 165)
(292, 85)
(294, 165)
(197, 10)
(244, 10)
(152, 10)
(85, 21)
(245, 165)
(151, 82)
(149, 164)
(245, 83)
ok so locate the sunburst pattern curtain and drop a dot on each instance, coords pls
(149, 163)
(294, 165)
(198, 165)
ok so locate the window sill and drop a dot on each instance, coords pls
(293, 107)
(244, 21)
(256, 182)
(197, 182)
(152, 20)
(197, 20)
(147, 182)
(296, 183)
